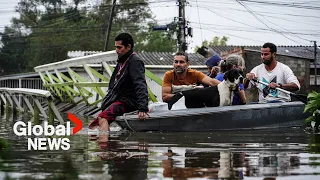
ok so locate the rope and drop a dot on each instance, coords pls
(125, 119)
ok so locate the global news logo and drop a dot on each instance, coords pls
(59, 141)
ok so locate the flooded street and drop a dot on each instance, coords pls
(247, 154)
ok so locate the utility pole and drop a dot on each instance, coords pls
(107, 38)
(109, 26)
(315, 63)
(182, 26)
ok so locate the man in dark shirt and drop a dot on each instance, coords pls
(127, 87)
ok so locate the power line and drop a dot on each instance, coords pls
(238, 28)
(279, 26)
(199, 20)
(274, 3)
(252, 12)
(232, 35)
(229, 18)
(261, 12)
(270, 28)
(277, 17)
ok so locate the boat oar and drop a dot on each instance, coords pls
(301, 97)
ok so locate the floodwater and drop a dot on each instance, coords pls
(256, 155)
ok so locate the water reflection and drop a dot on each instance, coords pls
(119, 160)
(205, 158)
(260, 154)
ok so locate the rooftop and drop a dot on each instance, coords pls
(295, 51)
(150, 58)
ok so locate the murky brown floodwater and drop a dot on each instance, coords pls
(279, 153)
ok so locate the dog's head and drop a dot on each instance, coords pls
(233, 77)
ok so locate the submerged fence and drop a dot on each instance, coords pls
(30, 102)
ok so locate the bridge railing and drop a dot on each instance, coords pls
(9, 99)
(86, 84)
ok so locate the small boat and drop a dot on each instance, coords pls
(250, 116)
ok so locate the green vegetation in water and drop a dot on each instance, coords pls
(3, 144)
(313, 107)
(314, 146)
(70, 172)
(4, 147)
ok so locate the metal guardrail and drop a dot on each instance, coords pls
(79, 87)
(8, 98)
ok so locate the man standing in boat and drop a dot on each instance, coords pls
(127, 87)
(274, 73)
(181, 77)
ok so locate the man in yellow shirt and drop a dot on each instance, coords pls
(182, 75)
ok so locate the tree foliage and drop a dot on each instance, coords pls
(216, 41)
(313, 107)
(47, 29)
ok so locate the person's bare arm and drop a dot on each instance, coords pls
(210, 81)
(243, 99)
(166, 93)
(291, 81)
(288, 87)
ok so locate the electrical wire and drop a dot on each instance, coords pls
(199, 20)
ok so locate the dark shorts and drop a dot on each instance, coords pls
(117, 108)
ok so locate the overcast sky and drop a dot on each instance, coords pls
(248, 22)
(245, 22)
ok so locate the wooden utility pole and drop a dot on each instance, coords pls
(315, 63)
(109, 26)
(182, 26)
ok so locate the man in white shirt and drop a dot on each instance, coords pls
(276, 74)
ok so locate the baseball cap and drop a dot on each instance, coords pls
(213, 61)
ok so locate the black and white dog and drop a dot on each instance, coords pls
(220, 95)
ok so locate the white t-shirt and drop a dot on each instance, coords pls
(280, 74)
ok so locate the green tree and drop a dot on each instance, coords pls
(216, 41)
(11, 53)
(313, 107)
(47, 29)
(158, 41)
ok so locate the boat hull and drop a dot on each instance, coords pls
(250, 116)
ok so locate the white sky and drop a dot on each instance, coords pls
(266, 23)
(209, 18)
(7, 12)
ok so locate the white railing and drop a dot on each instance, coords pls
(8, 98)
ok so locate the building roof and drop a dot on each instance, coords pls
(150, 58)
(166, 58)
(295, 51)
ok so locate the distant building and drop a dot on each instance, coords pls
(156, 62)
(299, 58)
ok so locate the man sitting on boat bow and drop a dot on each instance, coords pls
(127, 90)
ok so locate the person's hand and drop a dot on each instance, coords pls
(198, 87)
(143, 115)
(273, 85)
(250, 76)
(217, 68)
(214, 72)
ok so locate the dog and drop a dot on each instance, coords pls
(214, 96)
